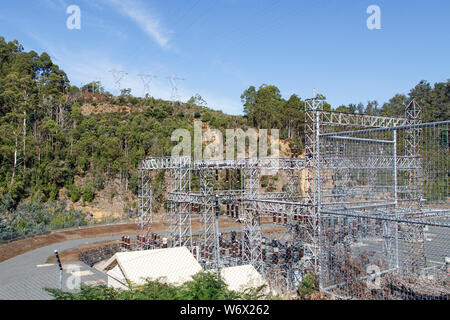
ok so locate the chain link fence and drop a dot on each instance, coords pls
(385, 213)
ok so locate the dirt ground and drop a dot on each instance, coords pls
(72, 255)
(10, 250)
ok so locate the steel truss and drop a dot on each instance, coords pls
(414, 233)
(208, 219)
(252, 237)
(145, 210)
(318, 120)
(301, 214)
(180, 221)
(245, 200)
(400, 212)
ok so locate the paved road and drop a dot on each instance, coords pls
(24, 277)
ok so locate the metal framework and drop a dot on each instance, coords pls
(146, 81)
(396, 210)
(369, 186)
(118, 76)
(174, 82)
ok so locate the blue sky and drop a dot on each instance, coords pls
(222, 47)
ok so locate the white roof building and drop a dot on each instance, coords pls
(172, 265)
(242, 277)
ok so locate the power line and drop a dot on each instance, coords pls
(174, 82)
(146, 81)
(118, 76)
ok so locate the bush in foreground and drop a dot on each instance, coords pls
(203, 286)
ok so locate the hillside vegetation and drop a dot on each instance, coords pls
(61, 142)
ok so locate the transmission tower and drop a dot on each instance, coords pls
(118, 76)
(146, 81)
(174, 82)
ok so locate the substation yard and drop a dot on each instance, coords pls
(364, 211)
(367, 201)
(15, 248)
(93, 253)
(28, 266)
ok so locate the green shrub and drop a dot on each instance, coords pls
(34, 217)
(264, 181)
(271, 187)
(66, 219)
(203, 286)
(168, 109)
(53, 194)
(75, 194)
(307, 286)
(149, 112)
(87, 193)
(159, 113)
(207, 117)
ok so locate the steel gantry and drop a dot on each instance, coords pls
(245, 201)
(361, 170)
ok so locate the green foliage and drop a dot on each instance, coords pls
(75, 194)
(203, 286)
(168, 109)
(93, 87)
(206, 286)
(87, 192)
(53, 192)
(34, 217)
(307, 286)
(265, 108)
(47, 140)
(197, 100)
(271, 187)
(65, 219)
(134, 183)
(60, 141)
(264, 181)
(208, 117)
(160, 113)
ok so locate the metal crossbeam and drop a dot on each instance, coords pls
(164, 163)
(367, 173)
(369, 162)
(171, 163)
(359, 120)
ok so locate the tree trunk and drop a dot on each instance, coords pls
(38, 139)
(15, 162)
(24, 138)
(289, 129)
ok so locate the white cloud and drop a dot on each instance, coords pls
(144, 19)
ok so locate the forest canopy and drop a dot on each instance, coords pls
(46, 140)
